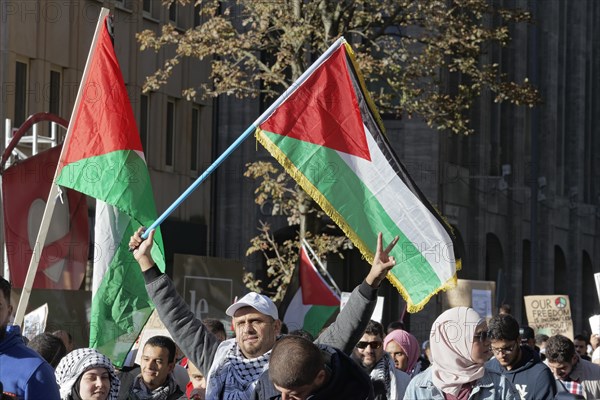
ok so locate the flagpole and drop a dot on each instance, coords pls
(243, 136)
(54, 193)
(323, 269)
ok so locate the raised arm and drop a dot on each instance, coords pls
(351, 322)
(190, 334)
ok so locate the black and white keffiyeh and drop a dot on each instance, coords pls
(237, 377)
(381, 373)
(74, 364)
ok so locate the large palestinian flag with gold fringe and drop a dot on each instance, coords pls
(328, 136)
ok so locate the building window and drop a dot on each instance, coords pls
(173, 12)
(144, 123)
(124, 4)
(54, 93)
(170, 133)
(147, 6)
(197, 18)
(195, 139)
(20, 93)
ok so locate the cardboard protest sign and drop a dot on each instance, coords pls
(470, 293)
(550, 314)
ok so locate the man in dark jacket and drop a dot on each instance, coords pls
(519, 363)
(154, 379)
(299, 369)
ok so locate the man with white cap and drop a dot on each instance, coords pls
(233, 366)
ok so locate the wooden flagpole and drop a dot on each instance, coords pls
(55, 192)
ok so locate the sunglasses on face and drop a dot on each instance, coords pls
(374, 345)
(481, 336)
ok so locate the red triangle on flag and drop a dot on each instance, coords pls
(314, 289)
(324, 110)
(104, 121)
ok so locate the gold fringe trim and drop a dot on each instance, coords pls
(312, 191)
(363, 86)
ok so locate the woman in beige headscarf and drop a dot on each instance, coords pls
(460, 348)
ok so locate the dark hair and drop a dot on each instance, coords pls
(541, 338)
(164, 342)
(503, 327)
(302, 333)
(60, 332)
(5, 288)
(294, 362)
(581, 337)
(560, 349)
(375, 328)
(50, 347)
(392, 326)
(504, 308)
(215, 326)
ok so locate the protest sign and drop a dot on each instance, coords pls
(470, 293)
(34, 322)
(550, 314)
(597, 280)
(377, 312)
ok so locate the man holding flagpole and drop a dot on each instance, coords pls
(234, 366)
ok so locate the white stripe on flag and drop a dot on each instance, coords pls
(295, 312)
(109, 229)
(403, 207)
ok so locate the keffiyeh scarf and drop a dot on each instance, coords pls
(142, 392)
(381, 374)
(237, 376)
(74, 364)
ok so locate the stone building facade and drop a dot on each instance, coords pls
(523, 192)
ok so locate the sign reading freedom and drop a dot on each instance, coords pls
(550, 314)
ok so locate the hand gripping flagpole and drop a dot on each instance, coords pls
(243, 137)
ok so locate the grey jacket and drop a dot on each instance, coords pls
(200, 346)
(588, 374)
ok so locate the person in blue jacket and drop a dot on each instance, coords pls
(23, 373)
(460, 347)
(518, 362)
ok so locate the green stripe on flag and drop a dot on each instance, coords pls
(316, 318)
(119, 178)
(121, 305)
(359, 212)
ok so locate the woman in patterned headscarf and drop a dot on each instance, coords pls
(86, 374)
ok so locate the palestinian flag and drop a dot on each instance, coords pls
(328, 136)
(309, 302)
(103, 158)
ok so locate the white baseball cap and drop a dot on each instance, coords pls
(259, 302)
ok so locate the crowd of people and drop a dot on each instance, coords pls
(465, 357)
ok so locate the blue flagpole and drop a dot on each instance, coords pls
(243, 136)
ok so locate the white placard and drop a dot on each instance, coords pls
(377, 312)
(481, 301)
(597, 279)
(595, 324)
(34, 323)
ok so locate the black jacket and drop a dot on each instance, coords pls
(347, 381)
